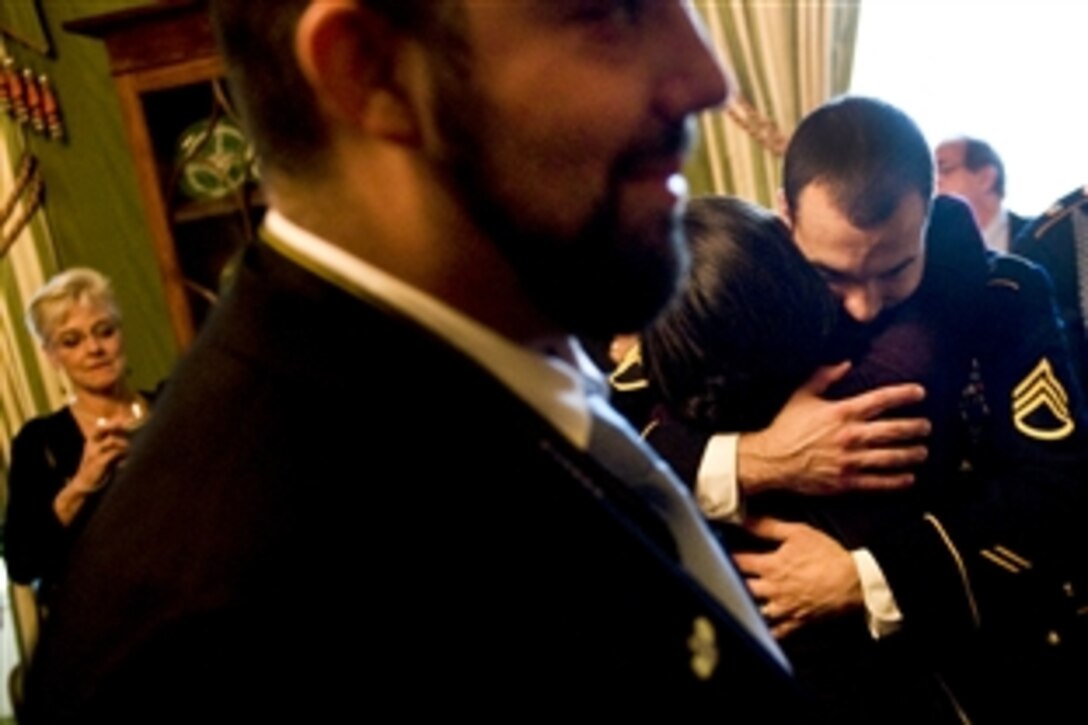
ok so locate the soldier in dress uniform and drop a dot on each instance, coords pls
(1058, 241)
(988, 578)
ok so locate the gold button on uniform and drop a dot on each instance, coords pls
(704, 648)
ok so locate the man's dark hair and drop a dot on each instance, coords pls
(870, 155)
(751, 324)
(276, 102)
(978, 154)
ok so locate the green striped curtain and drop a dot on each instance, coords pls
(786, 57)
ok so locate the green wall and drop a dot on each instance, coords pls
(92, 202)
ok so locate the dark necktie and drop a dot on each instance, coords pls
(616, 446)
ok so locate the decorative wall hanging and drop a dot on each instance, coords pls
(30, 100)
(758, 126)
(16, 91)
(54, 127)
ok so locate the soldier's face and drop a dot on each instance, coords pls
(565, 139)
(869, 270)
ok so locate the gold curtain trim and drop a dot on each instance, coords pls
(764, 130)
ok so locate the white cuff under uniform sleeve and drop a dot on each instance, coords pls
(717, 492)
(716, 488)
(881, 612)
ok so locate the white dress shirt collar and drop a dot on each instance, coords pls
(996, 233)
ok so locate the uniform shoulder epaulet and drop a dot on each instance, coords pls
(1009, 271)
(1058, 211)
(629, 374)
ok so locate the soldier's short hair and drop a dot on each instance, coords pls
(870, 155)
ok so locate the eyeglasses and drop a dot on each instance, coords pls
(946, 169)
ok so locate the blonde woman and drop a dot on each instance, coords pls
(60, 460)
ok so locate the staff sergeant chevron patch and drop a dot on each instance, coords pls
(1040, 405)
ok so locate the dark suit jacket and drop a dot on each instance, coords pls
(333, 512)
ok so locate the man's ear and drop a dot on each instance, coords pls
(347, 53)
(989, 176)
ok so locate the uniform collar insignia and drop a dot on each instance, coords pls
(628, 374)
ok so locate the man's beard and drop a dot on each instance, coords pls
(605, 280)
(611, 275)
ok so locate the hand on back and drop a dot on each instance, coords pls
(822, 447)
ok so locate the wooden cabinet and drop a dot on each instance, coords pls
(169, 80)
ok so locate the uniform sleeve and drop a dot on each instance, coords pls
(681, 445)
(1037, 406)
(997, 549)
(32, 531)
(1051, 242)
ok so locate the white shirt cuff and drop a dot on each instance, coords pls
(881, 612)
(716, 488)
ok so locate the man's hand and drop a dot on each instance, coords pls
(808, 577)
(818, 446)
